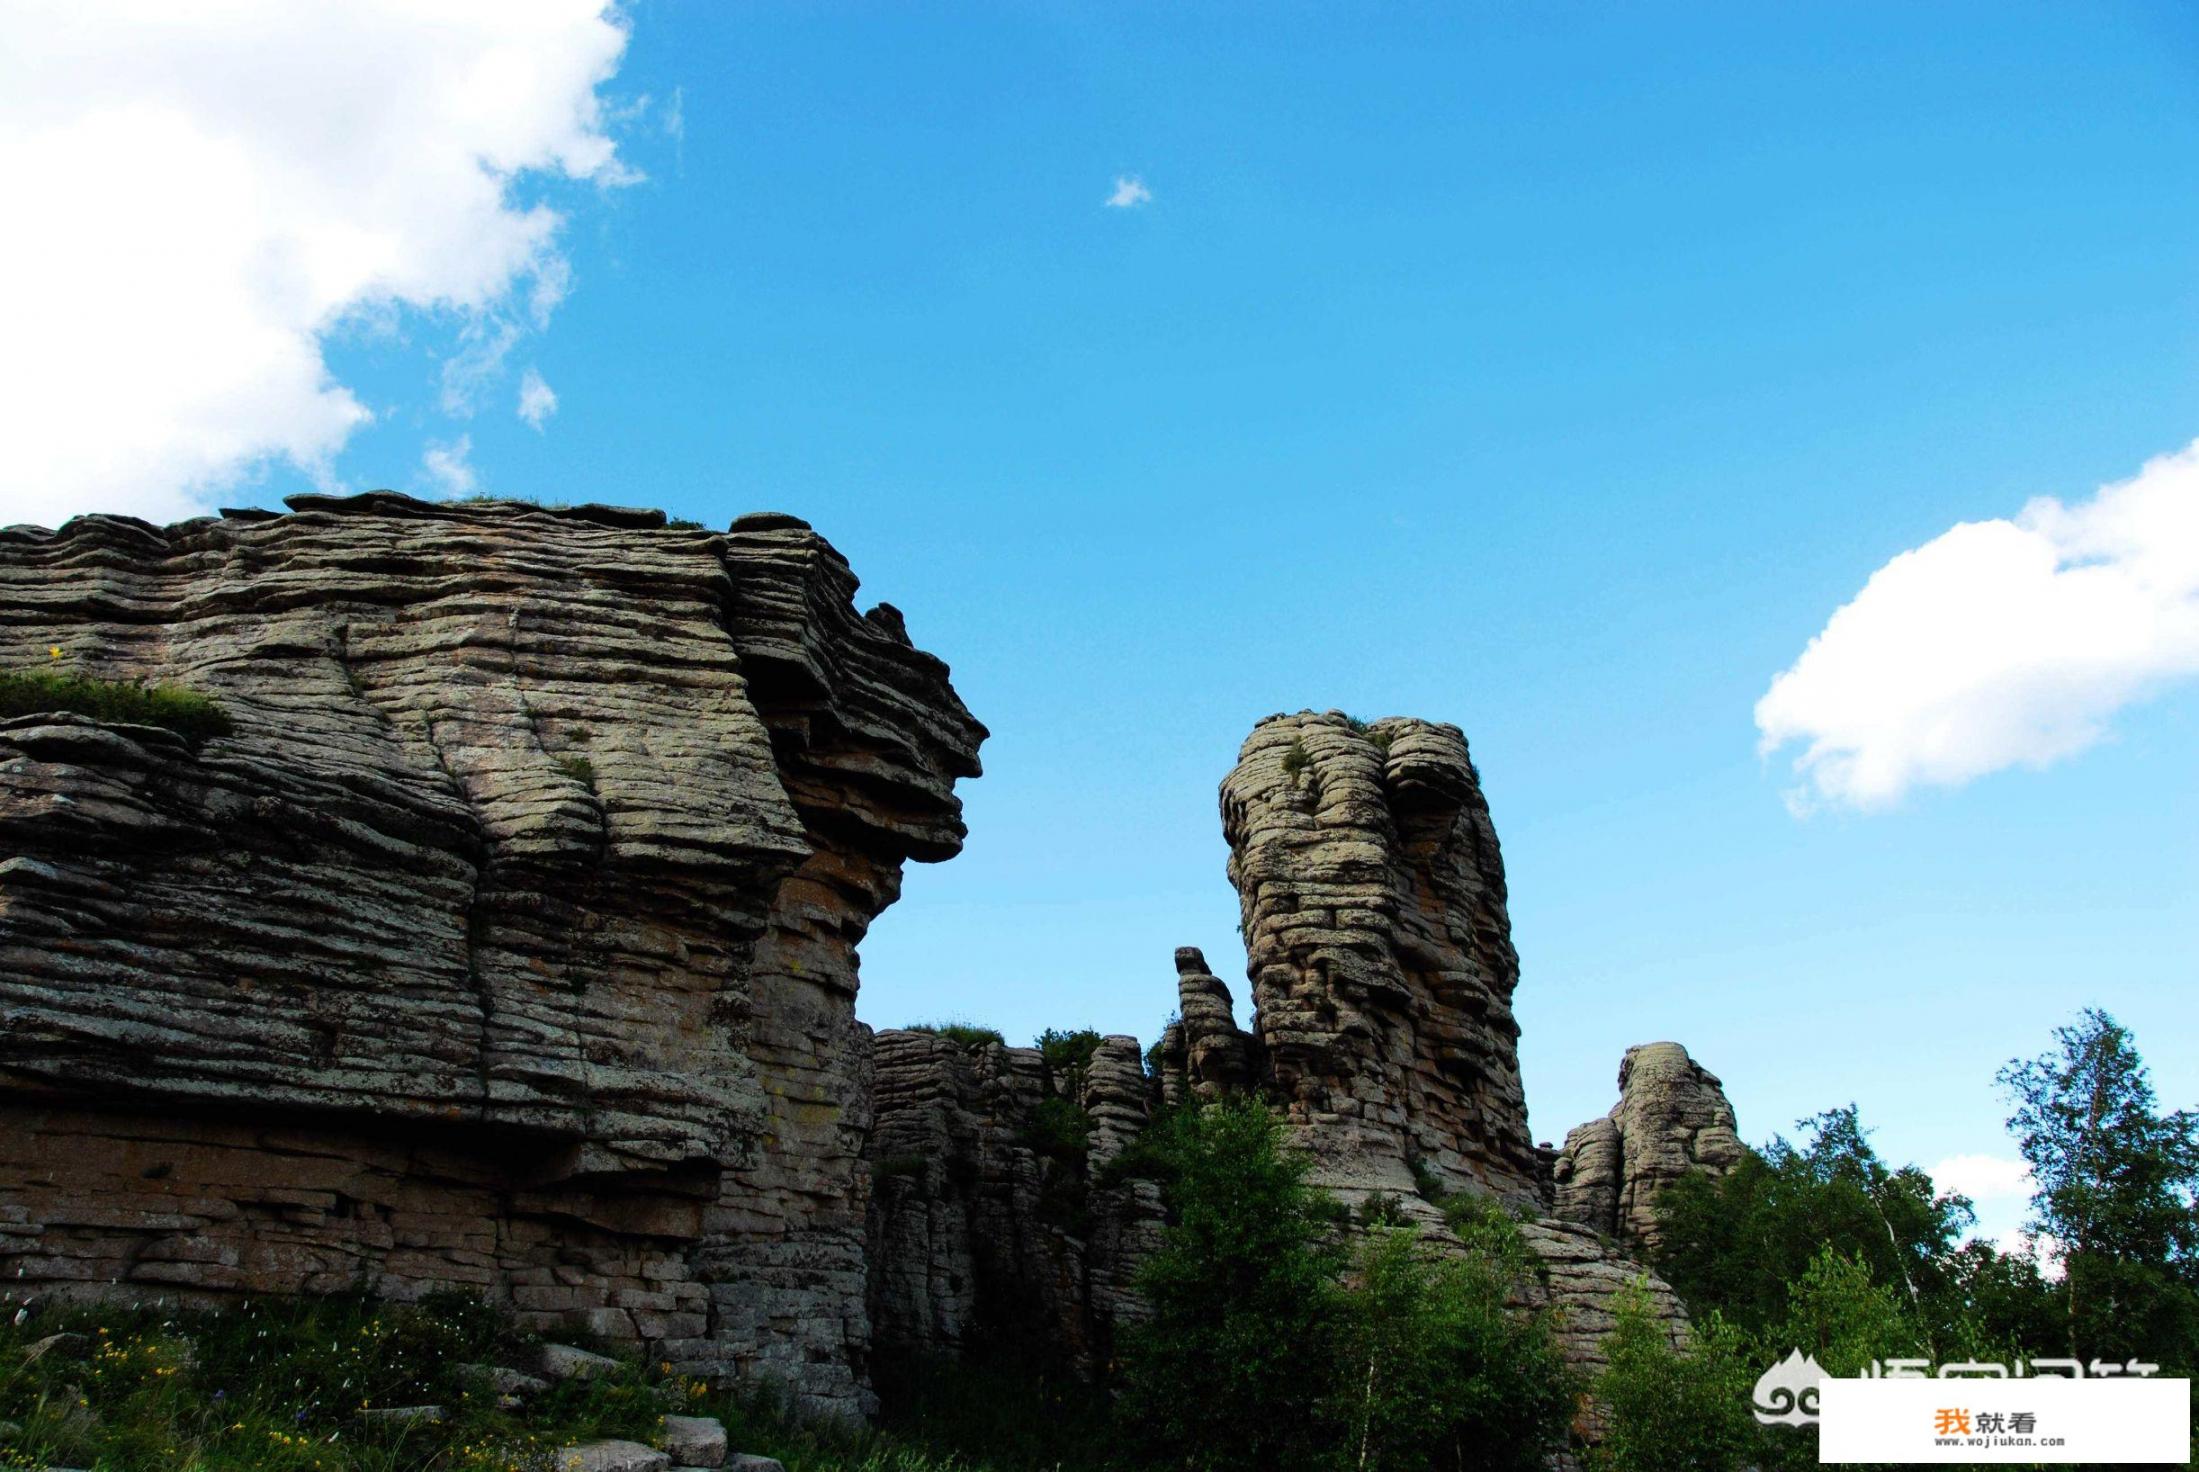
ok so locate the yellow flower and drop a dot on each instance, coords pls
(54, 650)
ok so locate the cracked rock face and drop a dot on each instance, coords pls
(508, 942)
(1672, 1120)
(1380, 952)
(983, 1236)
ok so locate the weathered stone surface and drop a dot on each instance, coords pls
(566, 1362)
(1216, 1058)
(981, 1233)
(694, 1441)
(611, 1456)
(1672, 1120)
(507, 944)
(1380, 952)
(402, 1416)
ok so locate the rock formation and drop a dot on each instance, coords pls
(1382, 974)
(1380, 953)
(506, 944)
(994, 1225)
(1672, 1120)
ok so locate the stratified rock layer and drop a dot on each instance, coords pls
(1380, 953)
(509, 941)
(1672, 1120)
(989, 1232)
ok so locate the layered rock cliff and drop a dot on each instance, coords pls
(1672, 1120)
(1380, 953)
(1382, 973)
(996, 1227)
(507, 943)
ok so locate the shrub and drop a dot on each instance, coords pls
(968, 1034)
(1059, 1129)
(1296, 758)
(119, 702)
(1434, 1374)
(1067, 1051)
(1225, 1375)
(1671, 1410)
(580, 769)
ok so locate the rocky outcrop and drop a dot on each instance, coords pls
(1202, 1054)
(1380, 953)
(995, 1225)
(507, 943)
(1672, 1120)
(1382, 967)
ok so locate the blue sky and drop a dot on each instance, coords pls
(1556, 371)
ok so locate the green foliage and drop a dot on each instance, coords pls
(119, 702)
(1736, 1243)
(1058, 1129)
(1427, 1181)
(1666, 1409)
(1067, 1051)
(2118, 1187)
(1433, 1374)
(580, 769)
(1149, 1155)
(901, 1165)
(1296, 758)
(968, 1034)
(277, 1387)
(1270, 1347)
(1219, 1378)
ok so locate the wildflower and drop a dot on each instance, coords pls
(54, 650)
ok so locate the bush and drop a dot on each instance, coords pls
(1068, 1052)
(1263, 1352)
(118, 702)
(1671, 1410)
(968, 1034)
(1434, 1374)
(1224, 1376)
(1059, 1130)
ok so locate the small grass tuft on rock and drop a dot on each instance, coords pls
(120, 702)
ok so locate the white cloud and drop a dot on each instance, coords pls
(449, 468)
(1997, 644)
(198, 196)
(1983, 1177)
(537, 400)
(1130, 192)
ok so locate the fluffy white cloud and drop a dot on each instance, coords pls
(199, 194)
(1997, 644)
(1130, 192)
(1983, 1177)
(449, 468)
(537, 400)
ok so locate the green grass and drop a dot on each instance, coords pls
(968, 1034)
(580, 769)
(279, 1386)
(121, 702)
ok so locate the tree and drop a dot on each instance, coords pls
(1433, 1374)
(1738, 1243)
(1672, 1409)
(1227, 1374)
(2116, 1188)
